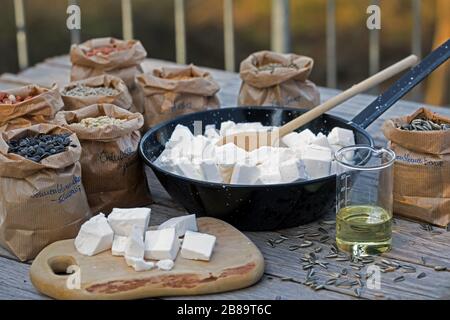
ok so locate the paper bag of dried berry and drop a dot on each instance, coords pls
(113, 174)
(276, 79)
(421, 169)
(29, 105)
(40, 202)
(100, 89)
(99, 56)
(172, 91)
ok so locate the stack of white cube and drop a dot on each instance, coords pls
(299, 156)
(125, 232)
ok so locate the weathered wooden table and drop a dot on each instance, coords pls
(414, 245)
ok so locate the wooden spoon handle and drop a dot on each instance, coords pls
(347, 94)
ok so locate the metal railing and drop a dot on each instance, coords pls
(280, 34)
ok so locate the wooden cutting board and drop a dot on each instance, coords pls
(235, 263)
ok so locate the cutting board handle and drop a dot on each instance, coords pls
(62, 271)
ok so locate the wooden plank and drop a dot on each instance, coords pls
(280, 32)
(127, 19)
(331, 44)
(14, 281)
(21, 35)
(180, 32)
(228, 35)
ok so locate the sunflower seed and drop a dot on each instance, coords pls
(278, 241)
(388, 269)
(421, 275)
(282, 236)
(308, 266)
(334, 249)
(329, 222)
(408, 268)
(342, 259)
(324, 239)
(358, 275)
(440, 268)
(331, 281)
(399, 279)
(310, 273)
(293, 247)
(286, 279)
(386, 262)
(314, 234)
(334, 274)
(323, 230)
(319, 287)
(306, 244)
(270, 243)
(300, 235)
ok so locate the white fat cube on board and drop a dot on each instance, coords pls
(292, 170)
(118, 246)
(165, 264)
(122, 220)
(197, 246)
(134, 247)
(245, 173)
(180, 135)
(317, 161)
(161, 244)
(341, 136)
(95, 236)
(181, 224)
(139, 264)
(211, 171)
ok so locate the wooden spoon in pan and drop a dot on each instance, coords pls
(253, 140)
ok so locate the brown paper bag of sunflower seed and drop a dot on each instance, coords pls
(276, 79)
(40, 202)
(421, 169)
(113, 175)
(99, 56)
(33, 105)
(100, 89)
(172, 91)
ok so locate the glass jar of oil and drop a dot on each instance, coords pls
(364, 199)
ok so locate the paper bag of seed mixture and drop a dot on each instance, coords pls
(25, 106)
(107, 56)
(113, 175)
(422, 166)
(100, 89)
(172, 91)
(40, 202)
(275, 79)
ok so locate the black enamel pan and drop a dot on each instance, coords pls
(270, 207)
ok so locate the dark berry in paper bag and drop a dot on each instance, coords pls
(41, 146)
